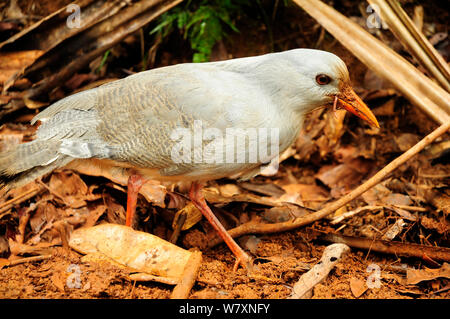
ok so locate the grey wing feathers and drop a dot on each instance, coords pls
(82, 101)
(72, 122)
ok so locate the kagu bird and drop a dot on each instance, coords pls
(129, 124)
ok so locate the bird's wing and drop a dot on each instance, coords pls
(133, 120)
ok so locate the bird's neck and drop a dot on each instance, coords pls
(279, 80)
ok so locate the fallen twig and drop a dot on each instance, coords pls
(183, 288)
(19, 199)
(412, 208)
(259, 228)
(331, 256)
(142, 276)
(345, 215)
(26, 260)
(390, 247)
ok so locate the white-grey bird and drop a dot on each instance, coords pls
(135, 124)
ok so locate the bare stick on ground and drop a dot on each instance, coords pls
(19, 199)
(183, 288)
(391, 247)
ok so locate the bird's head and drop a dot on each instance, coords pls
(319, 78)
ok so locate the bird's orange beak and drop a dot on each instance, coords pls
(351, 102)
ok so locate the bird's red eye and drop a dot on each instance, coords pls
(323, 79)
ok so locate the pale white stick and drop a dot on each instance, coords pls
(345, 215)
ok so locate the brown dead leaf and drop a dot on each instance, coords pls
(4, 247)
(213, 197)
(373, 82)
(67, 183)
(45, 212)
(94, 215)
(305, 146)
(51, 224)
(404, 213)
(387, 109)
(277, 214)
(396, 199)
(176, 201)
(437, 149)
(358, 287)
(406, 140)
(33, 104)
(394, 230)
(346, 153)
(440, 226)
(229, 190)
(13, 62)
(78, 79)
(267, 189)
(193, 216)
(58, 281)
(442, 203)
(153, 191)
(335, 126)
(71, 189)
(414, 276)
(4, 99)
(307, 193)
(115, 212)
(7, 26)
(344, 177)
(375, 194)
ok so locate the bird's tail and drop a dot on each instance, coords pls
(28, 161)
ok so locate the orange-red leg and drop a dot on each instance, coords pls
(135, 183)
(199, 201)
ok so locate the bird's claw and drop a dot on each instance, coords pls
(245, 261)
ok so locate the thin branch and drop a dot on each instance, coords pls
(27, 260)
(19, 199)
(391, 247)
(345, 215)
(183, 288)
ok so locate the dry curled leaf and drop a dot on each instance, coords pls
(13, 62)
(193, 216)
(440, 226)
(344, 177)
(138, 251)
(414, 276)
(331, 256)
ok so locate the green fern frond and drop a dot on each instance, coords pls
(203, 23)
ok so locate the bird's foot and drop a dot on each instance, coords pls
(245, 261)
